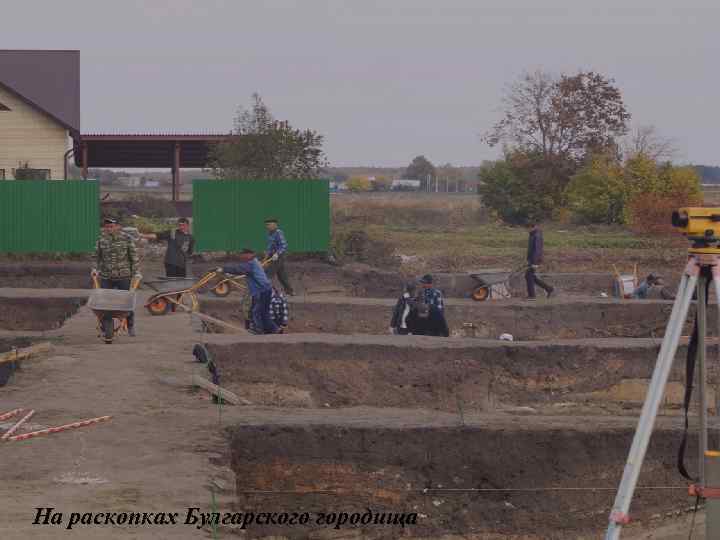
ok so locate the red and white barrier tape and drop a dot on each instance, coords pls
(9, 432)
(57, 429)
(10, 414)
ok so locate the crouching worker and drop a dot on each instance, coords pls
(428, 319)
(260, 290)
(643, 290)
(403, 307)
(279, 310)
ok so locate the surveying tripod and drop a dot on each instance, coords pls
(703, 265)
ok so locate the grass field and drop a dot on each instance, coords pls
(453, 233)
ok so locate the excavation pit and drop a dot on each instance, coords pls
(560, 318)
(38, 311)
(560, 476)
(46, 274)
(603, 376)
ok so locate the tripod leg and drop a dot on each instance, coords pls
(663, 365)
(702, 377)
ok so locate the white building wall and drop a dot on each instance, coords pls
(30, 136)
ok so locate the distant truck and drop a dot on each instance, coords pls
(404, 184)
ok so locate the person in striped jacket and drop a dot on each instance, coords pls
(279, 310)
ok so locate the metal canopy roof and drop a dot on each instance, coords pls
(145, 150)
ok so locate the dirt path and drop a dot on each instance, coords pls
(151, 457)
(157, 454)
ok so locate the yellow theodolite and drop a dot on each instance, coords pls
(701, 226)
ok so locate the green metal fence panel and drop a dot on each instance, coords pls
(228, 215)
(48, 216)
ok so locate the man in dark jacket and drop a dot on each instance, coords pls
(180, 247)
(428, 316)
(534, 260)
(260, 289)
(403, 307)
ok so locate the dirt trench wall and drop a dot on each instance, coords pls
(445, 374)
(561, 319)
(385, 469)
(37, 314)
(45, 275)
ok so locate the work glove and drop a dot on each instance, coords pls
(275, 257)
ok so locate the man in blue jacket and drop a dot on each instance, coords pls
(276, 250)
(259, 287)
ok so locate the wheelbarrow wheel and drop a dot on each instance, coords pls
(108, 330)
(482, 293)
(221, 289)
(159, 306)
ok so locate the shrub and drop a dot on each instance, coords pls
(639, 192)
(518, 189)
(357, 246)
(151, 207)
(597, 193)
(358, 184)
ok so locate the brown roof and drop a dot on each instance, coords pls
(47, 80)
(145, 150)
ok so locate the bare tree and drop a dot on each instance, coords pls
(647, 141)
(560, 117)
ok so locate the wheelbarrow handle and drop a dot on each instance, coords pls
(135, 283)
(95, 275)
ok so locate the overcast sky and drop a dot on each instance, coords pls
(383, 80)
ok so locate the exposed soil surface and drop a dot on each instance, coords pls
(557, 318)
(37, 313)
(308, 276)
(385, 459)
(167, 447)
(455, 375)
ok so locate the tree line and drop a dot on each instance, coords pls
(568, 154)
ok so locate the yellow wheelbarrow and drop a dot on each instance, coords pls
(178, 291)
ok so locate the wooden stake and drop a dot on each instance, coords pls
(19, 423)
(19, 354)
(214, 389)
(219, 322)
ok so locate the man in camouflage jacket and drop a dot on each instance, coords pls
(117, 261)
